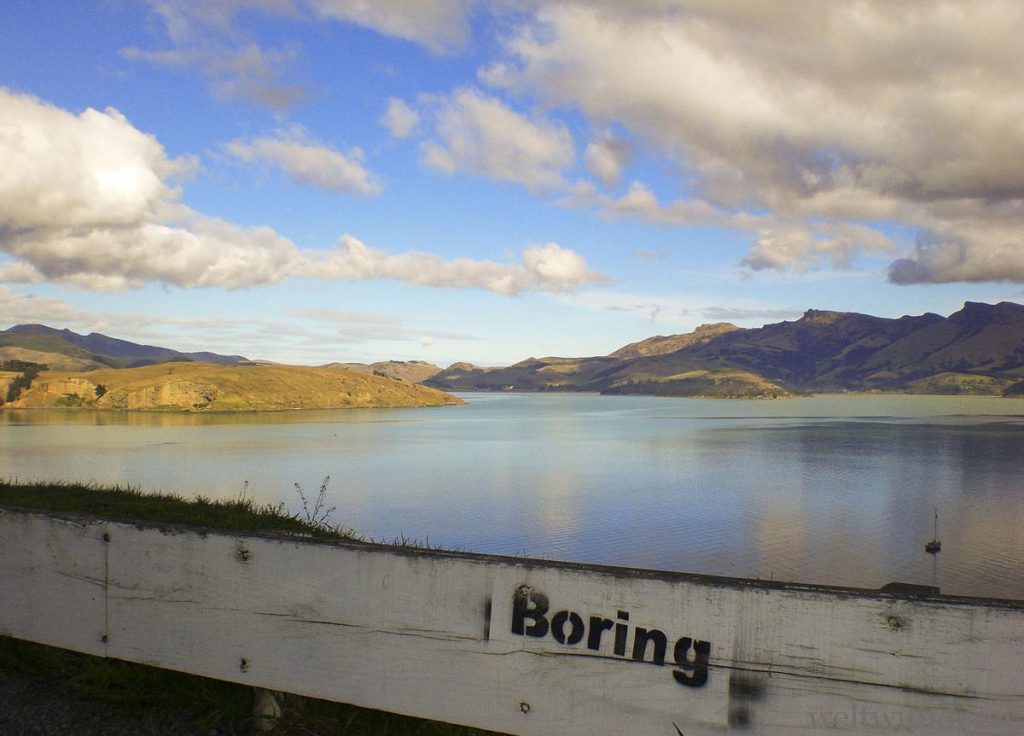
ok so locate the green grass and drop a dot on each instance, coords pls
(211, 706)
(241, 513)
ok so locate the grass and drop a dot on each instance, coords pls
(194, 386)
(241, 513)
(210, 706)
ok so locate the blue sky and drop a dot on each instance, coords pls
(333, 180)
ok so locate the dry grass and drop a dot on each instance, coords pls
(187, 386)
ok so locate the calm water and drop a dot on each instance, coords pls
(834, 489)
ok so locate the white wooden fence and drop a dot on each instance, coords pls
(513, 645)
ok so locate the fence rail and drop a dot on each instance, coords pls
(513, 645)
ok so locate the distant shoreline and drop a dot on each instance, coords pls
(793, 395)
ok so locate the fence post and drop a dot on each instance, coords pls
(266, 709)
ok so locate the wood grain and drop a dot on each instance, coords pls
(432, 634)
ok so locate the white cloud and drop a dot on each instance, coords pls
(480, 134)
(18, 272)
(779, 243)
(440, 25)
(309, 162)
(640, 202)
(784, 245)
(557, 268)
(85, 171)
(850, 115)
(549, 268)
(400, 119)
(988, 253)
(682, 313)
(31, 309)
(244, 71)
(187, 21)
(194, 251)
(215, 39)
(85, 200)
(606, 157)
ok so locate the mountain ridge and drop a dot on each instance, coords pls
(101, 349)
(978, 349)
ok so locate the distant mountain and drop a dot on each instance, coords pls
(67, 350)
(659, 345)
(413, 371)
(978, 350)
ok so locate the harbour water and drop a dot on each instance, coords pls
(828, 489)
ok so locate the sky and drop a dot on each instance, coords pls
(309, 181)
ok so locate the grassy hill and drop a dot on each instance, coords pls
(56, 361)
(720, 384)
(414, 371)
(660, 344)
(95, 350)
(978, 350)
(190, 386)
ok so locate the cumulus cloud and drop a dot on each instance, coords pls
(871, 111)
(480, 134)
(18, 272)
(777, 242)
(784, 245)
(85, 171)
(400, 119)
(194, 251)
(642, 203)
(309, 162)
(987, 254)
(547, 267)
(86, 199)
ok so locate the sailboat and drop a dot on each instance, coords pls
(934, 546)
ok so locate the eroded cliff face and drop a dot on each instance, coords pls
(184, 394)
(189, 395)
(49, 390)
(197, 387)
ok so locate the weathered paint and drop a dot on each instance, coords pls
(510, 644)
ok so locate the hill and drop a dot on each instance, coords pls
(67, 350)
(978, 350)
(413, 371)
(660, 344)
(192, 386)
